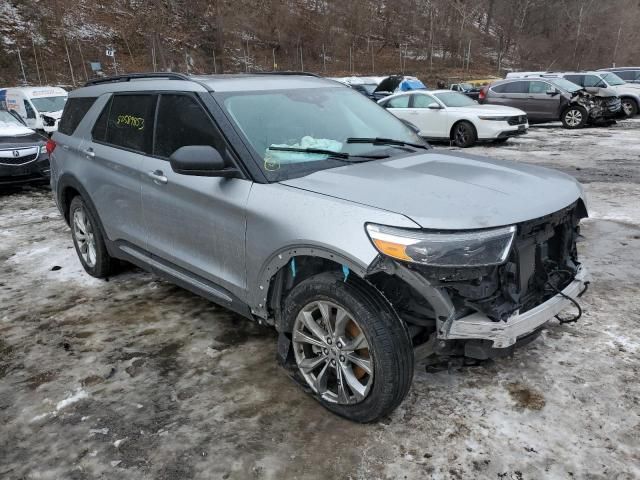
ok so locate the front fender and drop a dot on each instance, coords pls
(284, 222)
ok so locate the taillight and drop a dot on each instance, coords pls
(51, 146)
(483, 93)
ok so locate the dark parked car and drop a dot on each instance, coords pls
(23, 155)
(552, 99)
(628, 74)
(396, 84)
(466, 89)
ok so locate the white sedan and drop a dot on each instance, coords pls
(454, 117)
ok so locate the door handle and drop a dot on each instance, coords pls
(90, 153)
(158, 177)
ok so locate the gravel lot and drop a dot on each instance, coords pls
(137, 379)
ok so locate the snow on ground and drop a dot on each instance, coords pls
(137, 379)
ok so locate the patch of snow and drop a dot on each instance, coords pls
(76, 397)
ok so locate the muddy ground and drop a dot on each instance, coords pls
(133, 378)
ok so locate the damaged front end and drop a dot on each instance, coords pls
(602, 107)
(482, 311)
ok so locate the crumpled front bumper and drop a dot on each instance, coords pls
(504, 334)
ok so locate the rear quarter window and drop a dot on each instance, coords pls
(74, 111)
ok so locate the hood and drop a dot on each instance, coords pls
(486, 109)
(54, 115)
(13, 129)
(632, 88)
(449, 191)
(8, 141)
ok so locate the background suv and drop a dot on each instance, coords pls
(628, 74)
(298, 202)
(595, 82)
(549, 99)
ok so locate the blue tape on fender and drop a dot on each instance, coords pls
(345, 272)
(293, 267)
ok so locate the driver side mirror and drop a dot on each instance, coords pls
(201, 161)
(552, 91)
(434, 106)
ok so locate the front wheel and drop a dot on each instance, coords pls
(574, 117)
(464, 134)
(350, 348)
(629, 107)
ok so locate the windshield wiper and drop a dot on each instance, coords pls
(344, 156)
(386, 141)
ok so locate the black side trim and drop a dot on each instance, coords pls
(179, 276)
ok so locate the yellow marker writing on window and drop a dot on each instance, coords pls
(130, 121)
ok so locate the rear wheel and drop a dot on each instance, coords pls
(88, 240)
(574, 117)
(629, 107)
(350, 348)
(464, 134)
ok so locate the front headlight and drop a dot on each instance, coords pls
(43, 149)
(444, 249)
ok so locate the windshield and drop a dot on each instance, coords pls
(565, 85)
(369, 87)
(455, 99)
(49, 104)
(8, 120)
(313, 118)
(613, 79)
(466, 86)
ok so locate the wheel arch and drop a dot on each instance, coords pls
(291, 265)
(459, 121)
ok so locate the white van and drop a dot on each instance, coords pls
(40, 107)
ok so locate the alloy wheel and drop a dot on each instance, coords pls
(627, 108)
(84, 237)
(462, 136)
(573, 118)
(332, 353)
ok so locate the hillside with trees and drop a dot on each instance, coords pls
(53, 41)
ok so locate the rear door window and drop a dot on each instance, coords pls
(577, 79)
(512, 87)
(127, 122)
(74, 111)
(398, 102)
(181, 121)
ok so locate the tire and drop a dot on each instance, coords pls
(463, 134)
(574, 117)
(88, 240)
(629, 107)
(365, 343)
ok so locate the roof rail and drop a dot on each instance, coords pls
(286, 72)
(134, 76)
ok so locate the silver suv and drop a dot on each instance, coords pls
(298, 202)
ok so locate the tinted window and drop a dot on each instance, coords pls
(577, 79)
(181, 121)
(74, 111)
(398, 102)
(627, 75)
(127, 122)
(423, 101)
(538, 87)
(593, 81)
(512, 87)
